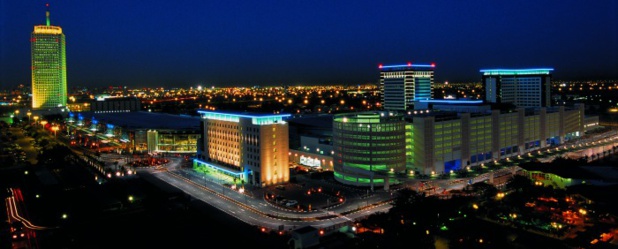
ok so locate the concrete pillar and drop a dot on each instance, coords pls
(521, 120)
(386, 183)
(561, 118)
(543, 127)
(521, 149)
(465, 139)
(495, 134)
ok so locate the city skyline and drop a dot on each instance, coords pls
(294, 43)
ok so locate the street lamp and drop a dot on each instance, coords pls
(54, 128)
(36, 118)
(29, 114)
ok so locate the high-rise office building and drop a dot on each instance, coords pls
(251, 148)
(401, 85)
(49, 73)
(521, 87)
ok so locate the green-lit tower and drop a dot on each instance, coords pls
(49, 72)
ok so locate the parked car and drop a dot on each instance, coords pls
(291, 203)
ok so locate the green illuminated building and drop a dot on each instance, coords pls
(49, 74)
(378, 149)
(370, 148)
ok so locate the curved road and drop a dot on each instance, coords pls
(256, 211)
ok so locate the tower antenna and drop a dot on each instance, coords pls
(47, 14)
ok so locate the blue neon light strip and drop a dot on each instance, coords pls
(217, 167)
(255, 119)
(451, 101)
(407, 65)
(516, 71)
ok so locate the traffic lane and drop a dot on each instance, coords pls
(359, 198)
(237, 211)
(256, 201)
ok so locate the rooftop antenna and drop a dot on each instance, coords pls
(47, 13)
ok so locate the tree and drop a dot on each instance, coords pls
(406, 198)
(56, 155)
(519, 183)
(485, 190)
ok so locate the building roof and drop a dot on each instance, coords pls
(408, 66)
(526, 71)
(243, 114)
(312, 120)
(146, 120)
(256, 118)
(453, 101)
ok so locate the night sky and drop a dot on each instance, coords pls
(291, 42)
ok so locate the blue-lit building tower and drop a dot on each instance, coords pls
(401, 85)
(520, 87)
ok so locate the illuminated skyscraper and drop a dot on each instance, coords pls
(49, 73)
(401, 85)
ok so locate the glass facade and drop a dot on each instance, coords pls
(521, 87)
(177, 142)
(423, 88)
(401, 85)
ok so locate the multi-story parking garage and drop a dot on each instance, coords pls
(378, 148)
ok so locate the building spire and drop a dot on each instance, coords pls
(47, 14)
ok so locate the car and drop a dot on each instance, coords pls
(291, 203)
(18, 235)
(17, 226)
(17, 231)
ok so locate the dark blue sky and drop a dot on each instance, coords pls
(291, 42)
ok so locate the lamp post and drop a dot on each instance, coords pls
(54, 128)
(36, 118)
(29, 114)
